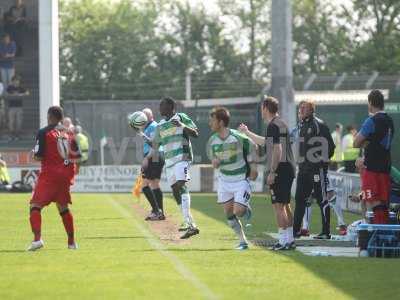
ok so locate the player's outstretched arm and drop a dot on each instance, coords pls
(250, 148)
(259, 140)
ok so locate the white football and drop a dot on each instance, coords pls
(137, 120)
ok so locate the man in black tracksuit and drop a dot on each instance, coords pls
(316, 147)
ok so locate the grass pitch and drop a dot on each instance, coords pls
(120, 257)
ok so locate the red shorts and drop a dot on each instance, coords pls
(375, 186)
(51, 189)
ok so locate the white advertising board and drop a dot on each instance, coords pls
(108, 179)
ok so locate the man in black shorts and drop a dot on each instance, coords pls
(280, 169)
(152, 173)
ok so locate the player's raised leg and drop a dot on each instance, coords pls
(233, 211)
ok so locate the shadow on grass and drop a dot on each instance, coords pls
(13, 251)
(356, 277)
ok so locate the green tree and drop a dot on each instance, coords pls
(193, 39)
(104, 48)
(375, 27)
(321, 42)
(252, 19)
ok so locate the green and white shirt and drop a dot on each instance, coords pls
(235, 153)
(176, 144)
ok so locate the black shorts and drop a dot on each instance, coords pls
(282, 187)
(154, 169)
(312, 183)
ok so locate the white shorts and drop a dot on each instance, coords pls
(179, 171)
(239, 191)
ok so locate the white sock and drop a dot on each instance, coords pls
(335, 202)
(289, 234)
(237, 227)
(339, 213)
(187, 216)
(282, 236)
(307, 218)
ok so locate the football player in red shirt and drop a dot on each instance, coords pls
(57, 152)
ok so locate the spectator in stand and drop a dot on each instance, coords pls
(15, 88)
(337, 157)
(15, 23)
(15, 108)
(7, 54)
(350, 154)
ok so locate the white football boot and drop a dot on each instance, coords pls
(73, 246)
(36, 245)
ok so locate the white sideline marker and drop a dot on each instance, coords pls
(176, 262)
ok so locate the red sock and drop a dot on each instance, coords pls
(68, 221)
(36, 223)
(381, 215)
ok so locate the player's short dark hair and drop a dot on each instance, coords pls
(56, 112)
(169, 101)
(221, 114)
(271, 104)
(309, 102)
(349, 128)
(376, 99)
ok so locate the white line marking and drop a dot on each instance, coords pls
(157, 245)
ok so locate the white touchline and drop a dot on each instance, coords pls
(157, 245)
